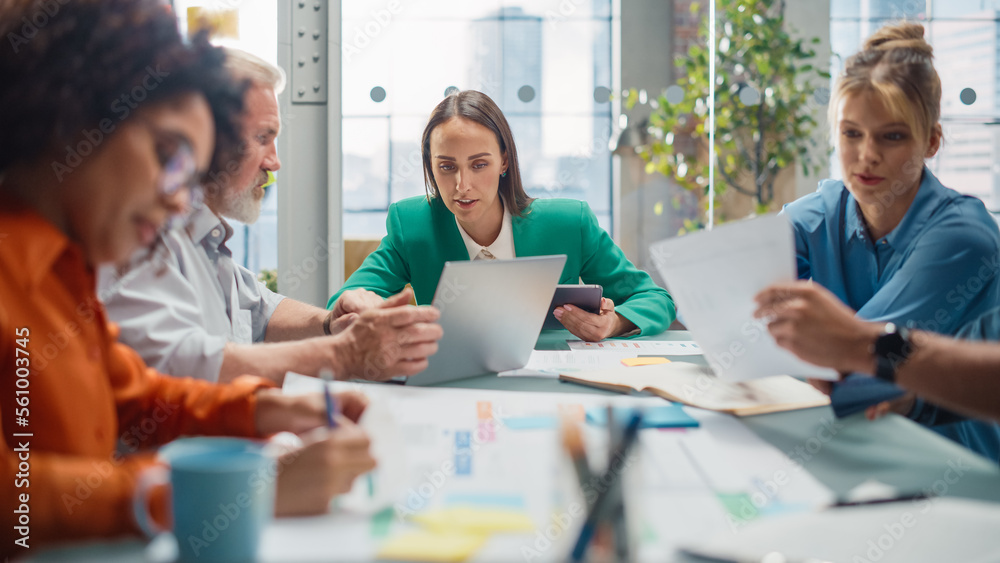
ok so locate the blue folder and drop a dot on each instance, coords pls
(667, 416)
(858, 392)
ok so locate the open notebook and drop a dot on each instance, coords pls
(695, 385)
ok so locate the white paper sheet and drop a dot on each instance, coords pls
(548, 363)
(640, 347)
(679, 501)
(735, 460)
(937, 529)
(714, 275)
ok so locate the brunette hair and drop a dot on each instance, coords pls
(478, 107)
(70, 67)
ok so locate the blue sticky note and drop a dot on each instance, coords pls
(485, 499)
(667, 416)
(463, 438)
(463, 464)
(529, 422)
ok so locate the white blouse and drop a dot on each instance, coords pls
(502, 248)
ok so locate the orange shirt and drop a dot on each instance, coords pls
(75, 405)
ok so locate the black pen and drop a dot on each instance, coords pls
(900, 498)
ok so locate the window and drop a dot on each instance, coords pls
(248, 25)
(965, 35)
(547, 64)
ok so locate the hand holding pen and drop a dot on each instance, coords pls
(335, 451)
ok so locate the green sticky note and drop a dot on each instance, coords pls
(739, 506)
(382, 522)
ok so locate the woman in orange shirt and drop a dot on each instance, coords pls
(108, 121)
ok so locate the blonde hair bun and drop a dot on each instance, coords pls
(897, 65)
(908, 36)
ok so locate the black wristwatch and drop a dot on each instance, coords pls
(891, 349)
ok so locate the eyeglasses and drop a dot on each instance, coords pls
(180, 171)
(179, 166)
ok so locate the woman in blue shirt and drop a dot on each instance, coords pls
(889, 240)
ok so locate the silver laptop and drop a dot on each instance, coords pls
(491, 312)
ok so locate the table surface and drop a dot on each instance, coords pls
(840, 453)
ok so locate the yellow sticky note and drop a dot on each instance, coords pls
(428, 546)
(475, 520)
(647, 361)
(221, 24)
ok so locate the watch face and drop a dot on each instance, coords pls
(891, 350)
(890, 343)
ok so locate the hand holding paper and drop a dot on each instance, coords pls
(714, 277)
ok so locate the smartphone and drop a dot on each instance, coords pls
(586, 297)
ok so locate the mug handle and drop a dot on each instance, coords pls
(148, 479)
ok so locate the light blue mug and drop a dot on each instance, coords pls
(222, 493)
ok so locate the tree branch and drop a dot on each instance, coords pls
(759, 164)
(730, 181)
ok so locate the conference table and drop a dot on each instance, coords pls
(840, 453)
(893, 449)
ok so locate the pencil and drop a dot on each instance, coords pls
(572, 440)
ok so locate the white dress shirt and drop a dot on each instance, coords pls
(180, 308)
(502, 248)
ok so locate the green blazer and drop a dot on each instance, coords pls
(423, 236)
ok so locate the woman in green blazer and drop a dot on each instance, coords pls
(476, 208)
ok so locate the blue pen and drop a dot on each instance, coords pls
(331, 403)
(597, 509)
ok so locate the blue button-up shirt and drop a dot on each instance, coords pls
(936, 271)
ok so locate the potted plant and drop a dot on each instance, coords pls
(764, 96)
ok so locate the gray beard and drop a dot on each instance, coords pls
(243, 206)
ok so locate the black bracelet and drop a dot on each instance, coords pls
(326, 323)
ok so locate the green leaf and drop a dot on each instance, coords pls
(762, 54)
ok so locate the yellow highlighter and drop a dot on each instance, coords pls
(271, 179)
